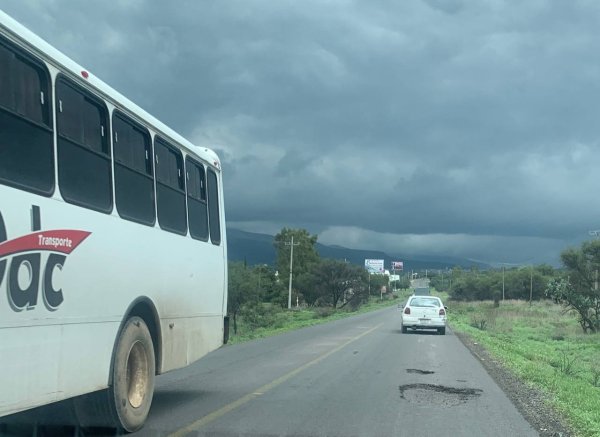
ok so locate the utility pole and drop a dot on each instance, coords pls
(291, 244)
(531, 286)
(595, 233)
(502, 283)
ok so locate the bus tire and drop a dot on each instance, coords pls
(133, 372)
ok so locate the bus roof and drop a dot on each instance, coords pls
(33, 43)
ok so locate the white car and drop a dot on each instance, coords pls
(424, 312)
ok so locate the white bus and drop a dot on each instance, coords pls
(113, 260)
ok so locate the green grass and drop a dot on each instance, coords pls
(544, 347)
(277, 321)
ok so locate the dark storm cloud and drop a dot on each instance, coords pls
(471, 122)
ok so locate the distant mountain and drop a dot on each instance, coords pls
(251, 247)
(258, 249)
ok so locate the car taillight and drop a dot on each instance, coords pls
(442, 312)
(407, 310)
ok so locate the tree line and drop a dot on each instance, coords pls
(336, 284)
(576, 285)
(317, 282)
(523, 283)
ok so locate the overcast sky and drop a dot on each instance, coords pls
(466, 128)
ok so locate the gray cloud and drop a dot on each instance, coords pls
(468, 119)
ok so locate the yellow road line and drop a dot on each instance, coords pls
(195, 426)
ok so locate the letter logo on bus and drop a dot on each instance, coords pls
(25, 269)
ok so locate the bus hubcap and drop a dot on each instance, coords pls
(137, 375)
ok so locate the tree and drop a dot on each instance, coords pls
(403, 283)
(473, 285)
(579, 290)
(241, 289)
(376, 281)
(305, 286)
(336, 282)
(441, 281)
(267, 283)
(519, 283)
(305, 254)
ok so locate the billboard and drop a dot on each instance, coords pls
(374, 266)
(398, 265)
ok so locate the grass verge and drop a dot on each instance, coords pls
(544, 347)
(273, 321)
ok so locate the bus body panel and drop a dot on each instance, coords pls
(188, 339)
(50, 363)
(63, 352)
(68, 275)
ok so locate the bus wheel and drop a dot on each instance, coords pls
(133, 375)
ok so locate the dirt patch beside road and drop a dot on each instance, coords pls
(531, 402)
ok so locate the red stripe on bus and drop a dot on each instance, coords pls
(59, 240)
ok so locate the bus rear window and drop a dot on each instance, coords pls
(196, 199)
(213, 208)
(170, 188)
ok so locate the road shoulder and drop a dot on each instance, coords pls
(531, 402)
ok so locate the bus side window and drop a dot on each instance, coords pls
(213, 208)
(84, 173)
(170, 188)
(26, 140)
(196, 199)
(134, 180)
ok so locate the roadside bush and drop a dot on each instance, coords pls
(576, 290)
(486, 320)
(565, 363)
(543, 345)
(321, 312)
(261, 315)
(595, 371)
(479, 322)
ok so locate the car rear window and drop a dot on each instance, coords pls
(424, 302)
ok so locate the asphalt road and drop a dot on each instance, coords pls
(354, 377)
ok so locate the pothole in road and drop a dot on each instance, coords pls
(420, 372)
(431, 394)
